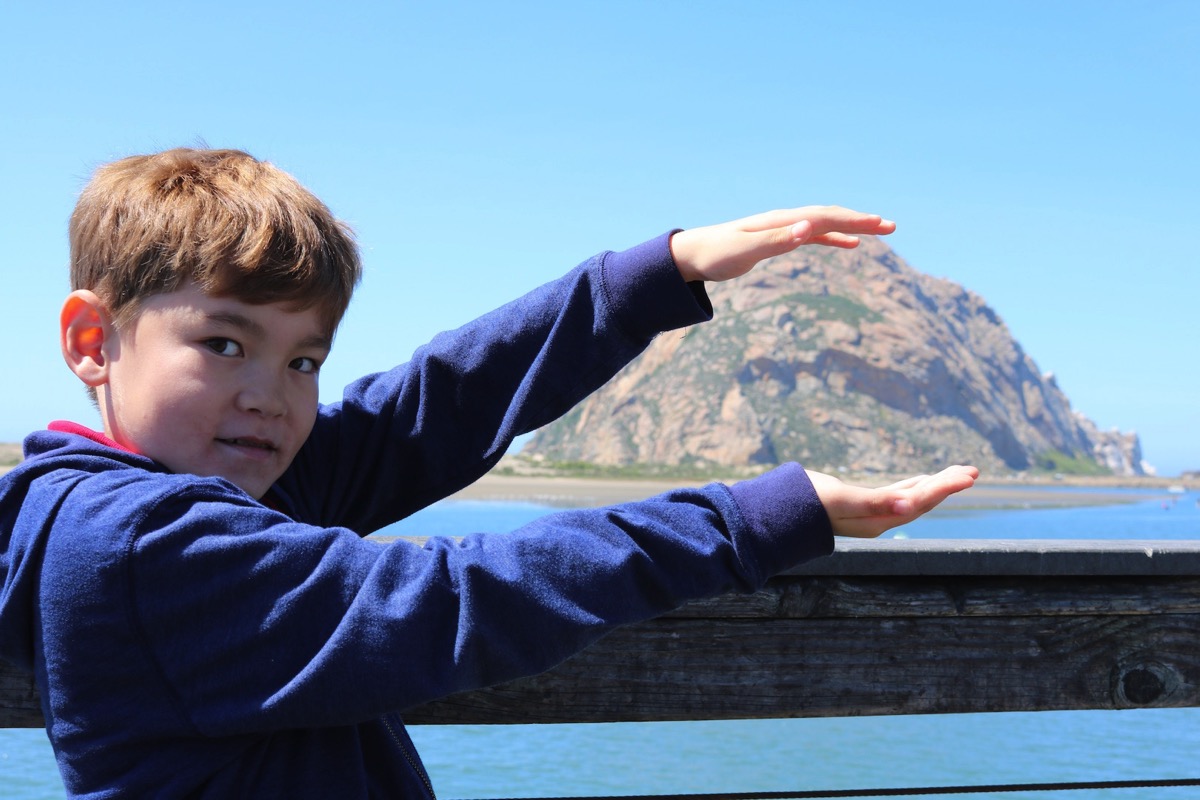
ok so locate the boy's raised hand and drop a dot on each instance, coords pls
(866, 513)
(731, 249)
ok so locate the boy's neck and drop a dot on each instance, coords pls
(66, 426)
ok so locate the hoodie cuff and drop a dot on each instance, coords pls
(646, 292)
(786, 519)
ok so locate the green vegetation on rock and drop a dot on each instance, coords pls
(833, 307)
(1061, 463)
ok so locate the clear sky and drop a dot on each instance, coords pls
(1043, 155)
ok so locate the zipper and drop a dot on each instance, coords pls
(416, 765)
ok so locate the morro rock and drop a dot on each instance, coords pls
(837, 359)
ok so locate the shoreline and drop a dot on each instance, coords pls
(565, 491)
(582, 492)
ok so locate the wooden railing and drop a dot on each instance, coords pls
(886, 627)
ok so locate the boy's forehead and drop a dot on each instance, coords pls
(192, 303)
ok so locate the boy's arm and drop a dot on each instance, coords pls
(400, 440)
(292, 626)
(403, 439)
(317, 610)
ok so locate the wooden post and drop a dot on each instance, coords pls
(885, 627)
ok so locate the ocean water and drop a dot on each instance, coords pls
(795, 755)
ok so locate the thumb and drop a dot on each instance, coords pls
(777, 241)
(801, 232)
(858, 503)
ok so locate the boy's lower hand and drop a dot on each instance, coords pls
(731, 249)
(866, 513)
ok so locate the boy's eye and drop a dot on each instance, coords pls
(305, 364)
(223, 347)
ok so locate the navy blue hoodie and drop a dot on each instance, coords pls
(188, 640)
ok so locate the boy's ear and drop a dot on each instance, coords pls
(84, 328)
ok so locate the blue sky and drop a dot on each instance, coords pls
(1043, 155)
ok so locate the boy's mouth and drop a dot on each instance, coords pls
(257, 444)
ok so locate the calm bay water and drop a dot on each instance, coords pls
(793, 755)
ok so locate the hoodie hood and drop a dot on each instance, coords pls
(30, 494)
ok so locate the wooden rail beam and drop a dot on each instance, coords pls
(887, 627)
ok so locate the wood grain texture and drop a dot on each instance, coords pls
(820, 645)
(843, 647)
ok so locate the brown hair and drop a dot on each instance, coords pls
(237, 226)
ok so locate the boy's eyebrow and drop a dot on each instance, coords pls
(253, 328)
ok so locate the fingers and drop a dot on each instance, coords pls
(824, 219)
(907, 482)
(924, 488)
(930, 491)
(729, 250)
(835, 240)
(830, 226)
(781, 232)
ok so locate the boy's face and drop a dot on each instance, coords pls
(215, 386)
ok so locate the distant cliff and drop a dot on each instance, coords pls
(839, 359)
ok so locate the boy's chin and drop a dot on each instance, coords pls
(255, 488)
(253, 478)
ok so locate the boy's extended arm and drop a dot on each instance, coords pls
(449, 616)
(231, 618)
(403, 439)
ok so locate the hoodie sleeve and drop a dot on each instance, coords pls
(255, 622)
(403, 439)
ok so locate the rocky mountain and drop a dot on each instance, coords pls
(838, 359)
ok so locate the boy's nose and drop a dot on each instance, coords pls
(262, 397)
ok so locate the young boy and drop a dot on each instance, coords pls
(190, 587)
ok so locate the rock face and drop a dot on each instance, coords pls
(837, 359)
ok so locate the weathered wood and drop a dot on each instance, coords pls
(19, 707)
(878, 647)
(1015, 557)
(802, 597)
(883, 628)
